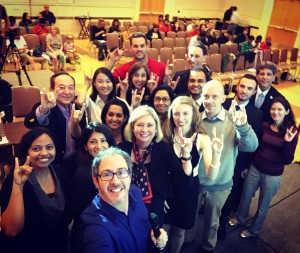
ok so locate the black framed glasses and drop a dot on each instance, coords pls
(107, 176)
(164, 99)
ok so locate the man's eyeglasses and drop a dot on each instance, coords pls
(107, 176)
(164, 99)
(138, 34)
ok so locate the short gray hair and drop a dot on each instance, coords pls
(112, 151)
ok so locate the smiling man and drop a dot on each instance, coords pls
(138, 48)
(54, 113)
(117, 219)
(265, 75)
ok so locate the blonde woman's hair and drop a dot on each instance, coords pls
(169, 130)
(141, 111)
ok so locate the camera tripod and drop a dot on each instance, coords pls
(14, 50)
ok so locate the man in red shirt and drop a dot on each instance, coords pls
(138, 48)
(41, 28)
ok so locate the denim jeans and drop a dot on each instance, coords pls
(268, 187)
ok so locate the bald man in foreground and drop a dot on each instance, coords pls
(238, 135)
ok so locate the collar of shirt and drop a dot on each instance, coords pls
(99, 101)
(65, 111)
(198, 101)
(243, 105)
(260, 91)
(220, 116)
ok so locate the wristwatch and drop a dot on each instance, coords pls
(186, 159)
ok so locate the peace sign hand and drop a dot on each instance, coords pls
(137, 98)
(48, 101)
(186, 143)
(289, 134)
(152, 82)
(239, 117)
(21, 173)
(217, 143)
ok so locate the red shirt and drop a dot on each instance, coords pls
(38, 30)
(155, 67)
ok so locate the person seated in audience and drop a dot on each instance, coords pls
(41, 28)
(160, 21)
(138, 85)
(39, 16)
(257, 50)
(224, 38)
(26, 21)
(54, 112)
(266, 45)
(196, 60)
(165, 27)
(22, 49)
(191, 26)
(153, 33)
(12, 22)
(69, 49)
(95, 138)
(197, 40)
(175, 25)
(196, 30)
(98, 37)
(48, 15)
(115, 27)
(138, 48)
(126, 34)
(33, 200)
(242, 36)
(277, 149)
(161, 99)
(115, 115)
(103, 89)
(54, 48)
(116, 222)
(167, 17)
(247, 49)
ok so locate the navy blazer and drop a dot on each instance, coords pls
(265, 107)
(57, 125)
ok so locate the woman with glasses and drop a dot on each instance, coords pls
(32, 199)
(161, 99)
(115, 115)
(194, 148)
(154, 161)
(95, 138)
(103, 90)
(138, 85)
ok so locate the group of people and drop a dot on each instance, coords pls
(144, 143)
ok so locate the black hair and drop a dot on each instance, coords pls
(53, 77)
(83, 154)
(110, 76)
(161, 87)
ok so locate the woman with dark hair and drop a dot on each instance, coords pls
(103, 90)
(115, 26)
(161, 99)
(138, 85)
(94, 138)
(26, 21)
(115, 115)
(32, 199)
(276, 149)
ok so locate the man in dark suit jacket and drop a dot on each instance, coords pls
(265, 75)
(196, 59)
(54, 113)
(245, 90)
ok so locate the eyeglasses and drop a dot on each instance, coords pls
(121, 174)
(164, 99)
(138, 34)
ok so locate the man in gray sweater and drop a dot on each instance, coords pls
(238, 135)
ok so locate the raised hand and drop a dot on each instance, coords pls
(137, 98)
(173, 84)
(76, 115)
(48, 101)
(123, 84)
(186, 143)
(116, 55)
(239, 117)
(21, 173)
(289, 134)
(152, 82)
(88, 79)
(169, 69)
(217, 143)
